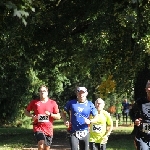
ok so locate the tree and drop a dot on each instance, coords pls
(66, 43)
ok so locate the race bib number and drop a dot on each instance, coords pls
(146, 127)
(97, 128)
(43, 118)
(81, 134)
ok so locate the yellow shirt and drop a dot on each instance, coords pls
(98, 129)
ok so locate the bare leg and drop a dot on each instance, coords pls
(41, 145)
(47, 147)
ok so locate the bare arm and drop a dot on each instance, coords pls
(108, 132)
(64, 116)
(27, 113)
(94, 119)
(56, 116)
(109, 129)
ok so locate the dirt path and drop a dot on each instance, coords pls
(61, 142)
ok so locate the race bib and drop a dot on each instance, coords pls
(146, 127)
(97, 128)
(43, 118)
(81, 134)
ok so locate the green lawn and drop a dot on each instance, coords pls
(16, 138)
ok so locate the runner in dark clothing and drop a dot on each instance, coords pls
(142, 121)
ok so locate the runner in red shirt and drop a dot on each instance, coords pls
(45, 111)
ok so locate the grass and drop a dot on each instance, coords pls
(121, 139)
(17, 138)
(58, 125)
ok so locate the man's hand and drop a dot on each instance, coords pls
(87, 121)
(34, 118)
(105, 139)
(48, 113)
(138, 121)
(67, 124)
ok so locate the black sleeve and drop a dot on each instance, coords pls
(137, 108)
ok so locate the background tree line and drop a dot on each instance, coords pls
(66, 43)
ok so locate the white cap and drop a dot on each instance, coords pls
(82, 89)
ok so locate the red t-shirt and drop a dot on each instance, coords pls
(44, 123)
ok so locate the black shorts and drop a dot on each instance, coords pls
(39, 135)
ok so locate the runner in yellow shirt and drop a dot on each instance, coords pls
(100, 131)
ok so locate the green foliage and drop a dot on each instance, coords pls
(21, 10)
(64, 47)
